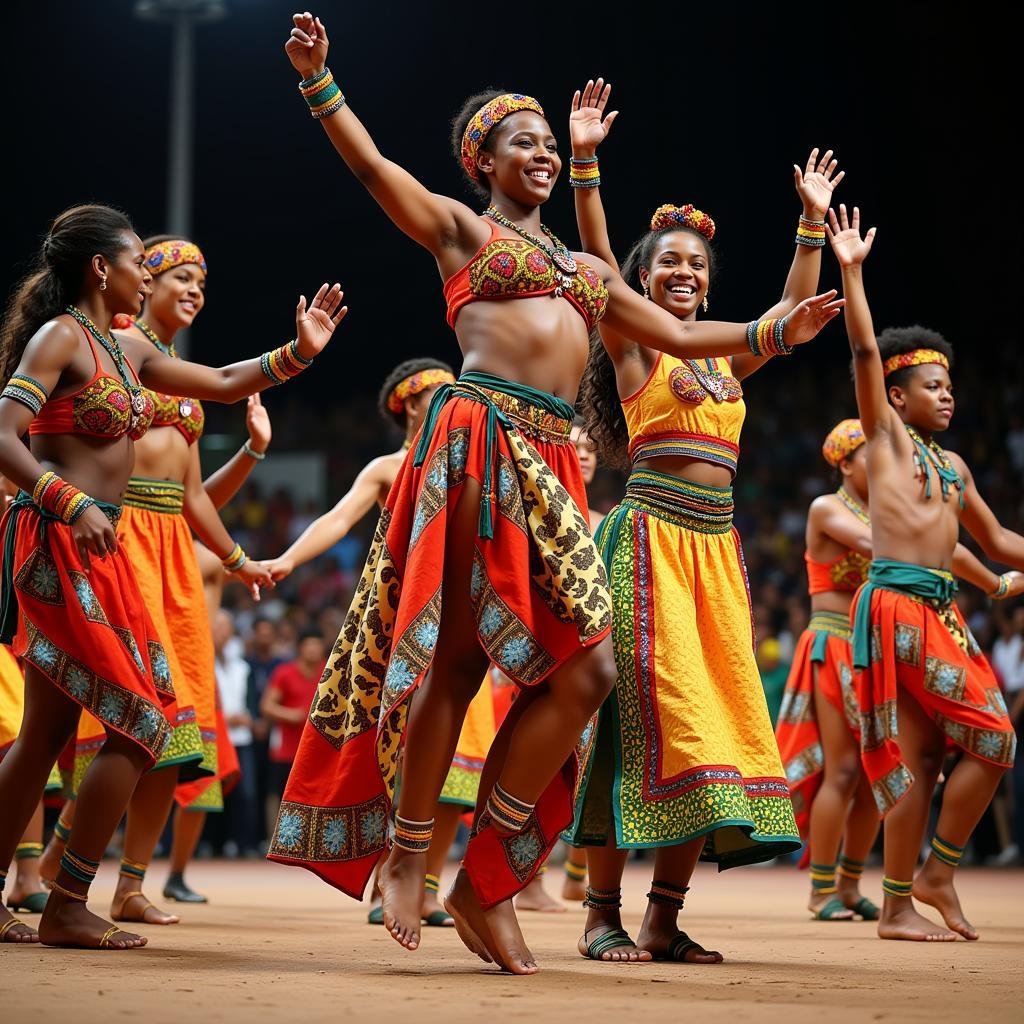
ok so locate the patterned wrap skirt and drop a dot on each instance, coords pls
(821, 661)
(908, 634)
(12, 709)
(158, 541)
(89, 632)
(685, 748)
(539, 595)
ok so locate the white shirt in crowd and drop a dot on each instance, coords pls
(1008, 661)
(233, 684)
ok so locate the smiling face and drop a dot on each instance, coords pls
(521, 159)
(178, 295)
(678, 273)
(128, 279)
(925, 398)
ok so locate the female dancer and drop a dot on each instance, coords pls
(921, 679)
(482, 553)
(69, 592)
(819, 727)
(686, 761)
(165, 500)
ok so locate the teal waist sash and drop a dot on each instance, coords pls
(823, 625)
(936, 585)
(468, 386)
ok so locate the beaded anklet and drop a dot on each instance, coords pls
(603, 899)
(584, 172)
(132, 869)
(810, 232)
(432, 884)
(79, 897)
(78, 867)
(946, 852)
(667, 894)
(893, 887)
(574, 872)
(413, 836)
(26, 851)
(62, 830)
(26, 390)
(851, 868)
(823, 879)
(508, 813)
(322, 94)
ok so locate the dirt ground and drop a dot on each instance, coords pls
(277, 944)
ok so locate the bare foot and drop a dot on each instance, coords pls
(675, 945)
(904, 922)
(508, 939)
(69, 923)
(131, 905)
(817, 902)
(536, 897)
(937, 891)
(573, 891)
(49, 862)
(401, 890)
(12, 930)
(470, 923)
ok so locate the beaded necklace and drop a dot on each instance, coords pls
(853, 505)
(720, 387)
(557, 251)
(113, 349)
(185, 405)
(929, 455)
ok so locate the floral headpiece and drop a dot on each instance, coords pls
(916, 357)
(165, 255)
(842, 441)
(415, 384)
(688, 216)
(481, 123)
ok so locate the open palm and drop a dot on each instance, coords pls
(588, 124)
(810, 316)
(315, 325)
(844, 234)
(816, 182)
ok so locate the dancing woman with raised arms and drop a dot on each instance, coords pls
(482, 552)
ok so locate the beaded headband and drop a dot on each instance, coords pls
(842, 441)
(165, 255)
(688, 216)
(481, 123)
(415, 384)
(916, 357)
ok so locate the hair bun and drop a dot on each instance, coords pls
(688, 216)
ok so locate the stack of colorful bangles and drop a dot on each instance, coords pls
(584, 172)
(765, 337)
(322, 94)
(1002, 589)
(810, 232)
(234, 559)
(63, 500)
(283, 363)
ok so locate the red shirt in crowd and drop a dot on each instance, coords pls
(294, 691)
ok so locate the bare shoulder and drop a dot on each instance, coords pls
(57, 340)
(959, 463)
(822, 505)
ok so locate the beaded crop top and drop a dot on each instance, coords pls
(100, 408)
(512, 268)
(690, 408)
(185, 414)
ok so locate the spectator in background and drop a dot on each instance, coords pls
(774, 672)
(263, 659)
(286, 704)
(1008, 662)
(240, 805)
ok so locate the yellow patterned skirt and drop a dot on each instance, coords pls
(685, 747)
(478, 731)
(12, 709)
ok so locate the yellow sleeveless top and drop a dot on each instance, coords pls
(693, 408)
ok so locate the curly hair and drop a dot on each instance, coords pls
(599, 396)
(461, 119)
(894, 341)
(395, 377)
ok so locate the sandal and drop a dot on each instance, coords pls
(9, 924)
(141, 919)
(33, 903)
(678, 947)
(108, 935)
(866, 910)
(616, 938)
(435, 919)
(834, 910)
(375, 916)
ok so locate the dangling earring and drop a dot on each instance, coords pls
(704, 304)
(647, 293)
(103, 283)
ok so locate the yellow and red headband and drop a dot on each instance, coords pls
(916, 357)
(167, 255)
(842, 441)
(688, 216)
(415, 384)
(481, 123)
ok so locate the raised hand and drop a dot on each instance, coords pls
(307, 45)
(314, 326)
(815, 183)
(588, 123)
(257, 422)
(851, 250)
(810, 316)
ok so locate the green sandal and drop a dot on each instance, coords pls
(439, 919)
(605, 943)
(375, 916)
(867, 910)
(33, 903)
(834, 910)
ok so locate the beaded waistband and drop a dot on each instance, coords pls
(531, 420)
(832, 623)
(683, 503)
(166, 496)
(691, 446)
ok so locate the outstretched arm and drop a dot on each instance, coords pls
(814, 185)
(223, 484)
(436, 222)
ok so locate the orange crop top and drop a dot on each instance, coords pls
(844, 574)
(185, 414)
(672, 414)
(512, 268)
(101, 408)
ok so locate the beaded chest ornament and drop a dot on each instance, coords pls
(557, 251)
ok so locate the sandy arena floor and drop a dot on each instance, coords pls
(277, 944)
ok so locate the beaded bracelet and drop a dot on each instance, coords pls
(810, 232)
(1002, 589)
(62, 499)
(283, 363)
(26, 390)
(584, 172)
(252, 453)
(322, 94)
(767, 337)
(234, 559)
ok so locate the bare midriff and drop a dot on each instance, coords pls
(162, 455)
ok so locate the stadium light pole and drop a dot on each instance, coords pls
(183, 16)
